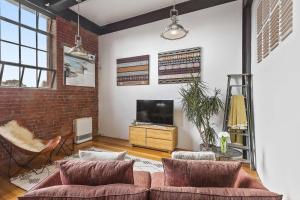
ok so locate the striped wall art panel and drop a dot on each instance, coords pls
(179, 66)
(133, 71)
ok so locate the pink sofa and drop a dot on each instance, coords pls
(154, 186)
(52, 189)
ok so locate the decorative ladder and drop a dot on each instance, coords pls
(248, 147)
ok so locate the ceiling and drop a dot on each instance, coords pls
(103, 12)
(107, 16)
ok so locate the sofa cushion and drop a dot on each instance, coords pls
(157, 179)
(97, 156)
(95, 173)
(179, 193)
(183, 173)
(77, 192)
(142, 179)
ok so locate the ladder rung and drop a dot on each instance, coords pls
(238, 85)
(247, 74)
(237, 146)
(241, 134)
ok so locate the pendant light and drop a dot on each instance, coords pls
(78, 50)
(174, 31)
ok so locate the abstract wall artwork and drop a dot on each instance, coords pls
(133, 71)
(274, 24)
(78, 71)
(179, 66)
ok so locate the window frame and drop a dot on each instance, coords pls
(48, 51)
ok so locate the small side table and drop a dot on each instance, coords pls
(64, 146)
(231, 154)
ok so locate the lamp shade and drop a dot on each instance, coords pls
(78, 51)
(174, 32)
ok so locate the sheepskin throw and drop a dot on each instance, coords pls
(21, 137)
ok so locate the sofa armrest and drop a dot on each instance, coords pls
(244, 180)
(142, 179)
(157, 179)
(51, 180)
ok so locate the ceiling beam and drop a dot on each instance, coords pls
(61, 8)
(61, 5)
(164, 13)
(68, 14)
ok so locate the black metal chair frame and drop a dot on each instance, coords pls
(26, 165)
(65, 147)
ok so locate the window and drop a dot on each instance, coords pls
(25, 46)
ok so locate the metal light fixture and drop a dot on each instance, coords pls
(78, 50)
(174, 31)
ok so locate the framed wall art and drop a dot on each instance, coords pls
(175, 67)
(133, 71)
(78, 71)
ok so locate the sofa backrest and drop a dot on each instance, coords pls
(243, 180)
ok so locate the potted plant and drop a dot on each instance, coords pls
(199, 107)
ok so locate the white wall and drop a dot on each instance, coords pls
(277, 112)
(217, 30)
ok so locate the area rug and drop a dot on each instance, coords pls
(28, 180)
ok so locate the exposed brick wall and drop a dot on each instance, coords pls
(47, 111)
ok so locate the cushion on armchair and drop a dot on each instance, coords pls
(192, 173)
(95, 173)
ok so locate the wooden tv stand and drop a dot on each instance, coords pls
(153, 136)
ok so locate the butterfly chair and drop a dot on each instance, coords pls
(17, 138)
(66, 144)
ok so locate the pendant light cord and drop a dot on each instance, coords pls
(78, 17)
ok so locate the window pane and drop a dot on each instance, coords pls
(45, 79)
(29, 78)
(28, 16)
(9, 9)
(42, 59)
(42, 41)
(9, 32)
(10, 76)
(9, 52)
(28, 37)
(43, 23)
(28, 56)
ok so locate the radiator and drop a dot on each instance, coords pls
(83, 129)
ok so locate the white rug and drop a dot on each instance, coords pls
(28, 180)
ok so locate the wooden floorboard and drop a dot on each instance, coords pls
(10, 192)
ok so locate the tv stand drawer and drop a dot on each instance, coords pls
(154, 137)
(160, 144)
(137, 136)
(159, 134)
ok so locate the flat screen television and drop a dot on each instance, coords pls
(155, 111)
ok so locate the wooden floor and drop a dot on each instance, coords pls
(10, 192)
